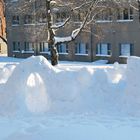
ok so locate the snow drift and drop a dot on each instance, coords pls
(36, 87)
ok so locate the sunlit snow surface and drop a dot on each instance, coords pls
(72, 101)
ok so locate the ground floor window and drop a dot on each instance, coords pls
(43, 47)
(16, 46)
(103, 49)
(62, 48)
(81, 48)
(126, 49)
(29, 46)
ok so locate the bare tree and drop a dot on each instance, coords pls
(92, 8)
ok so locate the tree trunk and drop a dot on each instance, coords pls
(54, 56)
(51, 41)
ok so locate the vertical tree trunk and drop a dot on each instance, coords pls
(51, 41)
(54, 56)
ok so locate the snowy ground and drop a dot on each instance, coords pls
(72, 101)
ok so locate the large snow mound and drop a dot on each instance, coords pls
(34, 87)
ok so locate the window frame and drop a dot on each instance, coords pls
(120, 13)
(62, 48)
(44, 47)
(16, 46)
(15, 20)
(124, 54)
(28, 19)
(100, 49)
(29, 47)
(79, 50)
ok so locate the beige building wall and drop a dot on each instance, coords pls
(3, 48)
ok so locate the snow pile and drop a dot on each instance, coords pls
(132, 76)
(6, 72)
(34, 87)
(25, 90)
(132, 91)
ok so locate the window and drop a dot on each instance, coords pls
(81, 48)
(125, 14)
(15, 20)
(105, 15)
(126, 49)
(61, 16)
(43, 47)
(62, 48)
(37, 4)
(41, 18)
(103, 49)
(28, 19)
(29, 47)
(16, 46)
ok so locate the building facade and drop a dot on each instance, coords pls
(114, 37)
(3, 46)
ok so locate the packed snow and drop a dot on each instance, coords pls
(69, 101)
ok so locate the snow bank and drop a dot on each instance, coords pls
(34, 87)
(5, 72)
(25, 90)
(132, 92)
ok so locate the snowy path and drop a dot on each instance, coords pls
(81, 127)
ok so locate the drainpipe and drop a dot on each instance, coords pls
(91, 42)
(35, 28)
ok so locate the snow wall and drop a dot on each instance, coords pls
(36, 87)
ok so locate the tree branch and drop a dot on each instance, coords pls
(82, 5)
(55, 27)
(77, 31)
(3, 39)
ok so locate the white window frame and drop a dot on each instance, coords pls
(44, 48)
(28, 47)
(130, 15)
(81, 48)
(62, 48)
(125, 49)
(103, 49)
(29, 20)
(104, 16)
